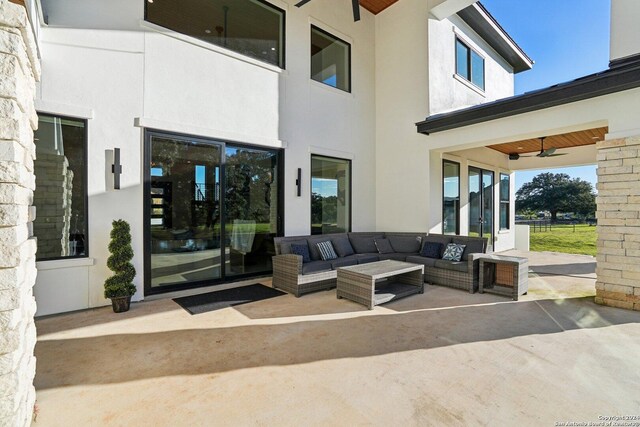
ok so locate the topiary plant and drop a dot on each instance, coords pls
(121, 283)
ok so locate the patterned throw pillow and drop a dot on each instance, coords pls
(326, 250)
(302, 250)
(431, 250)
(453, 252)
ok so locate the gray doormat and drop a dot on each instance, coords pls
(210, 301)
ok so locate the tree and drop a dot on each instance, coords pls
(557, 193)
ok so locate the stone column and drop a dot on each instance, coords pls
(19, 68)
(618, 247)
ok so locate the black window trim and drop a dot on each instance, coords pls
(469, 67)
(85, 182)
(328, 34)
(459, 180)
(264, 2)
(350, 161)
(507, 202)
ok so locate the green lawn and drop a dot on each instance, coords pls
(562, 238)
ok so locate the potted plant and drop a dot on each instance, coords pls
(119, 287)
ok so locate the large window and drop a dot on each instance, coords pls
(60, 197)
(504, 201)
(450, 197)
(330, 60)
(250, 27)
(469, 64)
(330, 195)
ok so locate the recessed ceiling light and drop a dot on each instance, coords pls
(595, 138)
(207, 31)
(150, 1)
(273, 48)
(520, 148)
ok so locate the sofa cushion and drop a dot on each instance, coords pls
(364, 245)
(313, 241)
(316, 266)
(285, 247)
(342, 245)
(460, 266)
(474, 246)
(394, 256)
(405, 244)
(417, 259)
(366, 258)
(344, 262)
(302, 250)
(384, 246)
(431, 250)
(453, 252)
(438, 238)
(326, 250)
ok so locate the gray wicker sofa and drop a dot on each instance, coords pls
(293, 275)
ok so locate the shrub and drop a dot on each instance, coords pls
(121, 283)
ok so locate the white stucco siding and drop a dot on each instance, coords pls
(448, 92)
(625, 31)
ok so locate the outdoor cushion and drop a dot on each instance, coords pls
(405, 244)
(394, 256)
(326, 250)
(344, 262)
(383, 246)
(316, 266)
(342, 245)
(427, 262)
(363, 245)
(438, 238)
(285, 247)
(431, 250)
(302, 250)
(453, 252)
(313, 246)
(461, 266)
(366, 258)
(474, 246)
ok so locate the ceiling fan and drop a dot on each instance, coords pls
(550, 152)
(355, 3)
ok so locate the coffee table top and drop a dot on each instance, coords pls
(380, 269)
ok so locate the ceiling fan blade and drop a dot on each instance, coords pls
(547, 153)
(556, 154)
(356, 10)
(302, 3)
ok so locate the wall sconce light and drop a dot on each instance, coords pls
(299, 182)
(116, 168)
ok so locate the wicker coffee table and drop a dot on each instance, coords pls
(379, 282)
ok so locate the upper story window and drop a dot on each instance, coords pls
(469, 64)
(330, 60)
(250, 27)
(60, 197)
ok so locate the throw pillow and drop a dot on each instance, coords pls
(326, 250)
(431, 250)
(453, 252)
(302, 250)
(342, 245)
(384, 246)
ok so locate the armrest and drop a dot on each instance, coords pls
(474, 261)
(289, 262)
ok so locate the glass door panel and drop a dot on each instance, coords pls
(251, 209)
(475, 203)
(184, 207)
(487, 206)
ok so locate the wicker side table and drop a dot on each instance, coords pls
(504, 275)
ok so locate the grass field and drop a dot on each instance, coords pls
(562, 238)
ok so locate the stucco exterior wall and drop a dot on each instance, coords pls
(19, 67)
(625, 32)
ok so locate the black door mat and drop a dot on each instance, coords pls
(210, 301)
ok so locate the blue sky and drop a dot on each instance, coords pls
(567, 39)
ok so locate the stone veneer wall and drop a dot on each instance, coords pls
(19, 68)
(618, 247)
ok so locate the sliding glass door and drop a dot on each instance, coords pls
(212, 210)
(481, 203)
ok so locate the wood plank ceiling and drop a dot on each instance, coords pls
(565, 140)
(376, 6)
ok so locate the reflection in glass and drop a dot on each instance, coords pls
(451, 197)
(60, 194)
(462, 64)
(477, 70)
(504, 201)
(487, 200)
(330, 195)
(475, 203)
(330, 59)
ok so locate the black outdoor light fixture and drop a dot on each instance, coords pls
(354, 3)
(299, 182)
(116, 168)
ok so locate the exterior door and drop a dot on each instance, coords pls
(481, 203)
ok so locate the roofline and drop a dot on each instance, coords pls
(623, 75)
(487, 27)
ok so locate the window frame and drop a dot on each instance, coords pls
(469, 66)
(331, 36)
(504, 202)
(282, 66)
(350, 214)
(457, 232)
(85, 183)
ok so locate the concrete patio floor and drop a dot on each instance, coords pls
(443, 357)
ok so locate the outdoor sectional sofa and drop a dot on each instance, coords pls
(293, 275)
